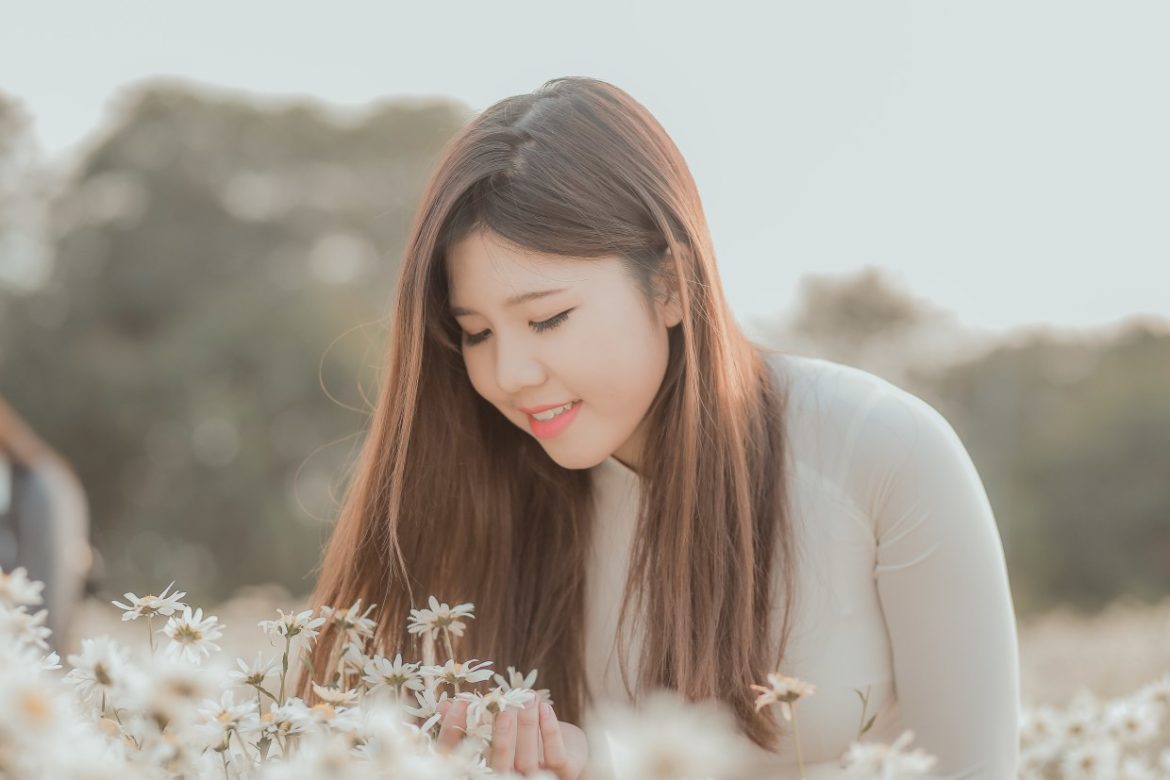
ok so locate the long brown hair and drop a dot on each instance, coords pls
(450, 498)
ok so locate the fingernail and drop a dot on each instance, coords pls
(547, 710)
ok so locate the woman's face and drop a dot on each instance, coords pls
(590, 341)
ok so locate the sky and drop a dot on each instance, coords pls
(1006, 161)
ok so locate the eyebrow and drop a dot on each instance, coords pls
(515, 300)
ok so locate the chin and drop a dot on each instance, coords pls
(575, 461)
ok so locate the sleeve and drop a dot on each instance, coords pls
(54, 543)
(942, 583)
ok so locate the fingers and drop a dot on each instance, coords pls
(528, 738)
(555, 757)
(454, 725)
(502, 754)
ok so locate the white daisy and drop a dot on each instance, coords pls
(50, 662)
(170, 690)
(319, 754)
(325, 716)
(1083, 717)
(389, 737)
(354, 625)
(293, 624)
(37, 720)
(876, 760)
(16, 588)
(666, 737)
(226, 712)
(1156, 692)
(485, 706)
(517, 680)
(784, 690)
(17, 624)
(1132, 721)
(1137, 768)
(383, 674)
(429, 700)
(99, 670)
(438, 617)
(290, 718)
(255, 673)
(331, 694)
(456, 673)
(151, 605)
(1039, 724)
(1095, 759)
(192, 636)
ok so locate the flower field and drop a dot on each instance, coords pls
(161, 688)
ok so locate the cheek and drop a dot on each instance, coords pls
(477, 373)
(621, 366)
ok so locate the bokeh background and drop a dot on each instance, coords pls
(202, 213)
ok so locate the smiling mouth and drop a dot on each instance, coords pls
(563, 408)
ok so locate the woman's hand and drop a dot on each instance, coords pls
(522, 742)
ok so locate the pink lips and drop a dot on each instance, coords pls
(539, 409)
(548, 428)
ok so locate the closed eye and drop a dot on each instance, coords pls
(471, 339)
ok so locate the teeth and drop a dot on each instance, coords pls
(548, 414)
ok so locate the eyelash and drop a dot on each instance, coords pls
(471, 339)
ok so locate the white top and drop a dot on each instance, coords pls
(902, 585)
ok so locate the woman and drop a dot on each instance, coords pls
(44, 523)
(727, 510)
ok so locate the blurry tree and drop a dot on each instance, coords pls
(213, 254)
(865, 319)
(24, 186)
(1072, 436)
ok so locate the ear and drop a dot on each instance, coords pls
(667, 302)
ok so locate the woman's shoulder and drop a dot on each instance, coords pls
(836, 412)
(826, 388)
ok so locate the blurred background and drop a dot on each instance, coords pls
(202, 214)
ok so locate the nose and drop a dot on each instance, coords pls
(517, 367)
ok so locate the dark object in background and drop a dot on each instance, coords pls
(44, 523)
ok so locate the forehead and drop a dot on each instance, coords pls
(484, 267)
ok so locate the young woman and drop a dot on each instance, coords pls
(44, 524)
(699, 512)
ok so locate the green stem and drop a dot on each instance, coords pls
(333, 654)
(150, 631)
(137, 744)
(796, 738)
(864, 706)
(243, 744)
(284, 673)
(447, 643)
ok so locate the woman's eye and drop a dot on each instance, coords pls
(471, 339)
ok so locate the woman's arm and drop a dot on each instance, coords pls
(943, 586)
